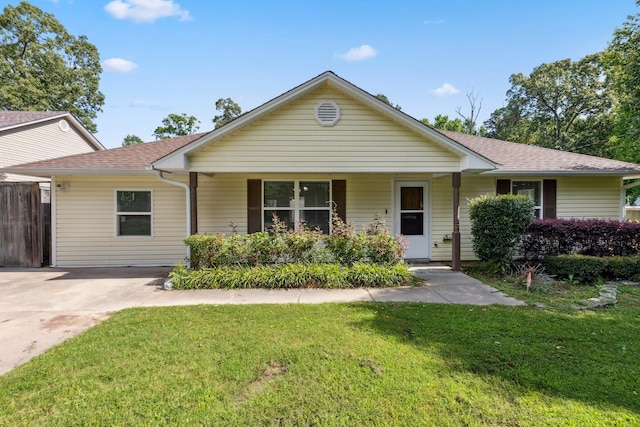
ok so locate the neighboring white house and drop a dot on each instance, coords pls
(323, 143)
(27, 136)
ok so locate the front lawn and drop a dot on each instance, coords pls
(338, 364)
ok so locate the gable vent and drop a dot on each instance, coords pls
(327, 113)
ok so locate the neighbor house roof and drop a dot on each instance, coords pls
(516, 158)
(16, 119)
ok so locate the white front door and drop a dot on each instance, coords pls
(411, 216)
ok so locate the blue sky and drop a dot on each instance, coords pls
(180, 56)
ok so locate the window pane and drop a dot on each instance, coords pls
(278, 194)
(314, 194)
(283, 215)
(316, 219)
(134, 201)
(530, 189)
(134, 225)
(412, 224)
(411, 198)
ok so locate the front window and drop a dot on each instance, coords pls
(295, 201)
(531, 189)
(133, 213)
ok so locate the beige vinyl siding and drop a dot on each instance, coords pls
(86, 223)
(291, 140)
(39, 141)
(589, 197)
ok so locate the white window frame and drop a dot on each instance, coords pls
(296, 208)
(536, 207)
(118, 214)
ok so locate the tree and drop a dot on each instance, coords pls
(556, 106)
(131, 140)
(383, 98)
(176, 125)
(445, 123)
(229, 110)
(622, 59)
(469, 122)
(44, 68)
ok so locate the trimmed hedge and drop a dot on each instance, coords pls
(594, 237)
(292, 276)
(588, 269)
(497, 224)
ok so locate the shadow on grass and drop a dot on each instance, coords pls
(593, 357)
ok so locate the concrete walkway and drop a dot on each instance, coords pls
(40, 308)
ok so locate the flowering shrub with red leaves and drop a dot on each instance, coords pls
(595, 237)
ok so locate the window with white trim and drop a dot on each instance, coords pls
(133, 212)
(532, 189)
(295, 201)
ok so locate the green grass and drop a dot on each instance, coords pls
(338, 364)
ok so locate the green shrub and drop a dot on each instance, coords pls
(587, 269)
(497, 224)
(291, 276)
(343, 243)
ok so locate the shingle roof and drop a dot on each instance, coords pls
(514, 157)
(134, 157)
(14, 118)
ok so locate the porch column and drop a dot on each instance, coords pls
(455, 246)
(193, 191)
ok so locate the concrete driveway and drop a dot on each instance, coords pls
(42, 307)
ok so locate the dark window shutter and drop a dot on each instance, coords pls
(254, 205)
(549, 199)
(503, 186)
(339, 196)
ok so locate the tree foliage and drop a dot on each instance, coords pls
(562, 105)
(131, 140)
(44, 68)
(443, 122)
(177, 125)
(622, 58)
(228, 110)
(382, 97)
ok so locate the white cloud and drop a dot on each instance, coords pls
(359, 53)
(146, 10)
(118, 65)
(445, 90)
(145, 104)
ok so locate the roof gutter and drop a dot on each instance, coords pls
(161, 177)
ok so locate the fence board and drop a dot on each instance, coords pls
(20, 225)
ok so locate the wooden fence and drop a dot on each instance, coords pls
(21, 226)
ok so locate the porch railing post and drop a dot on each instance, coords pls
(193, 190)
(455, 244)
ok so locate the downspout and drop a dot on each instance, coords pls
(187, 189)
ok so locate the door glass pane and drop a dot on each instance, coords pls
(314, 194)
(411, 198)
(412, 224)
(285, 216)
(278, 194)
(316, 219)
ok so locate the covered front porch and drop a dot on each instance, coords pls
(425, 208)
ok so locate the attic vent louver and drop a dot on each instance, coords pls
(327, 113)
